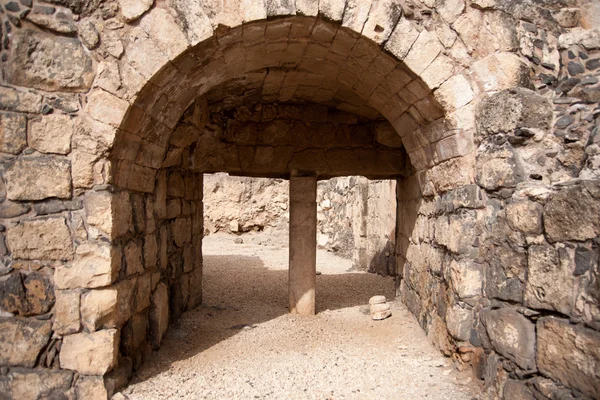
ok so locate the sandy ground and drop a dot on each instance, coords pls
(242, 344)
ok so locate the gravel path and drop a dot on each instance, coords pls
(242, 344)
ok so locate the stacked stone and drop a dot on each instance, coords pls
(503, 273)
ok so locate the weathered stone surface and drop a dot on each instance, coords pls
(402, 38)
(21, 340)
(459, 321)
(16, 100)
(455, 93)
(135, 333)
(133, 259)
(9, 209)
(181, 230)
(160, 25)
(61, 22)
(144, 290)
(550, 281)
(43, 239)
(40, 293)
(91, 387)
(95, 265)
(501, 71)
(467, 278)
(485, 32)
(99, 309)
(66, 312)
(48, 62)
(25, 384)
(12, 295)
(512, 336)
(82, 169)
(90, 353)
(51, 134)
(572, 213)
(89, 35)
(195, 297)
(194, 17)
(514, 109)
(159, 314)
(525, 216)
(13, 133)
(110, 213)
(133, 9)
(38, 178)
(106, 108)
(517, 390)
(569, 354)
(497, 167)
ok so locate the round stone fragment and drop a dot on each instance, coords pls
(380, 311)
(377, 300)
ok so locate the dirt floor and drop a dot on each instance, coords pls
(242, 344)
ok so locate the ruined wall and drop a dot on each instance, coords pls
(356, 217)
(92, 92)
(501, 269)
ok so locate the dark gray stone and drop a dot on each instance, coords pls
(564, 121)
(8, 209)
(585, 259)
(22, 340)
(54, 206)
(592, 64)
(575, 68)
(12, 295)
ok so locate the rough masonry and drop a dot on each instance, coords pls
(111, 111)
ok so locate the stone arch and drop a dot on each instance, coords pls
(120, 203)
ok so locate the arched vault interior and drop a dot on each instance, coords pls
(293, 95)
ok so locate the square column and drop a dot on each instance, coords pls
(303, 245)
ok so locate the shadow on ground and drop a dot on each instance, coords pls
(239, 292)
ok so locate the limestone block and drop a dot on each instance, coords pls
(450, 10)
(457, 145)
(99, 309)
(16, 100)
(106, 108)
(194, 19)
(38, 178)
(487, 32)
(512, 335)
(452, 174)
(525, 216)
(82, 169)
(44, 239)
(51, 134)
(387, 136)
(332, 9)
(455, 93)
(22, 340)
(402, 38)
(144, 289)
(501, 71)
(383, 17)
(159, 314)
(48, 62)
(133, 9)
(175, 185)
(497, 167)
(95, 265)
(467, 278)
(150, 252)
(26, 384)
(133, 259)
(514, 109)
(550, 283)
(66, 312)
(438, 72)
(573, 213)
(423, 51)
(109, 212)
(459, 321)
(160, 25)
(91, 387)
(569, 354)
(588, 38)
(143, 54)
(280, 7)
(90, 353)
(13, 133)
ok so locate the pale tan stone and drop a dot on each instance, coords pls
(467, 278)
(51, 134)
(110, 213)
(13, 132)
(38, 178)
(459, 321)
(66, 312)
(455, 93)
(133, 259)
(91, 387)
(133, 9)
(197, 23)
(144, 289)
(438, 72)
(423, 51)
(106, 108)
(99, 309)
(95, 265)
(43, 239)
(90, 353)
(450, 10)
(501, 71)
(402, 38)
(143, 54)
(160, 25)
(82, 165)
(26, 384)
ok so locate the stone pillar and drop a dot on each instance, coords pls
(303, 245)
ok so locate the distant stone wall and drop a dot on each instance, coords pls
(356, 217)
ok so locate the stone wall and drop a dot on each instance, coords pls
(356, 217)
(502, 272)
(496, 105)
